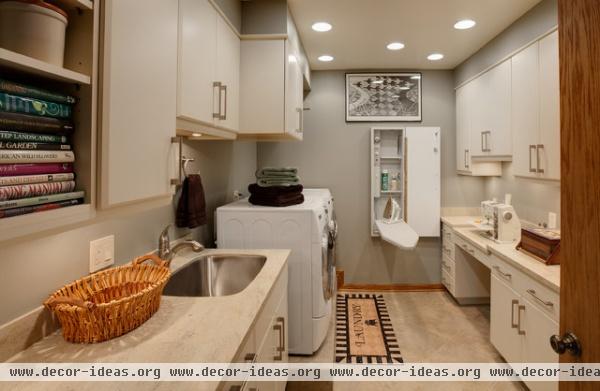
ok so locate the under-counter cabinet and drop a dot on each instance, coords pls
(523, 315)
(267, 341)
(138, 100)
(208, 81)
(536, 110)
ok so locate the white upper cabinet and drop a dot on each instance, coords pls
(209, 71)
(549, 145)
(536, 110)
(490, 129)
(138, 100)
(294, 97)
(465, 111)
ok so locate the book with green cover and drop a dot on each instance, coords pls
(33, 92)
(32, 137)
(21, 104)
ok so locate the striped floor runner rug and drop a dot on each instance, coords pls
(364, 332)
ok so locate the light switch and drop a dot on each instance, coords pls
(102, 253)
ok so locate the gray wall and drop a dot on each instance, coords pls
(335, 154)
(33, 267)
(233, 10)
(264, 17)
(532, 199)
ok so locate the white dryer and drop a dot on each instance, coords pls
(304, 229)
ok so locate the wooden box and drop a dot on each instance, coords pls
(542, 244)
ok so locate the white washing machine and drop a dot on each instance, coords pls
(304, 229)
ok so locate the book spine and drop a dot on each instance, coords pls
(20, 104)
(35, 190)
(20, 145)
(42, 178)
(31, 123)
(40, 200)
(38, 208)
(34, 169)
(33, 92)
(32, 137)
(36, 156)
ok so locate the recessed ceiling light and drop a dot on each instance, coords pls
(464, 24)
(321, 27)
(196, 134)
(395, 46)
(416, 77)
(292, 58)
(404, 88)
(377, 82)
(325, 58)
(435, 57)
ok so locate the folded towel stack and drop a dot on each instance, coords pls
(276, 187)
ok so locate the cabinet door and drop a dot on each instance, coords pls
(491, 134)
(462, 128)
(504, 303)
(294, 112)
(197, 61)
(262, 87)
(525, 110)
(536, 348)
(139, 99)
(549, 150)
(228, 74)
(281, 317)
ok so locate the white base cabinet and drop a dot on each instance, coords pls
(267, 341)
(523, 316)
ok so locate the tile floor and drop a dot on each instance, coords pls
(431, 327)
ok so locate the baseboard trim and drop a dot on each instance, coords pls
(392, 288)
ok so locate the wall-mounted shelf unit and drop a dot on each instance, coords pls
(78, 78)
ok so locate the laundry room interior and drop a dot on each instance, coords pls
(299, 182)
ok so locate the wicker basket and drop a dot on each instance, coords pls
(111, 303)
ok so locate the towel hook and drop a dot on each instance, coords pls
(183, 162)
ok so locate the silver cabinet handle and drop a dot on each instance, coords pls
(507, 276)
(466, 159)
(447, 250)
(535, 296)
(223, 116)
(531, 169)
(537, 155)
(521, 307)
(485, 146)
(281, 329)
(300, 112)
(250, 357)
(217, 85)
(282, 320)
(445, 266)
(482, 142)
(512, 314)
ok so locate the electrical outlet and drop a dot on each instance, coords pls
(102, 253)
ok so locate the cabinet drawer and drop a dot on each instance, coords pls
(448, 248)
(448, 282)
(449, 267)
(263, 322)
(539, 295)
(448, 233)
(473, 251)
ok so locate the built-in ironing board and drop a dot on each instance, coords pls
(398, 233)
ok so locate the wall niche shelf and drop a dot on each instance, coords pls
(78, 77)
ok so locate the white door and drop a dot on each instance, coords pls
(549, 150)
(525, 110)
(197, 61)
(504, 307)
(228, 74)
(139, 99)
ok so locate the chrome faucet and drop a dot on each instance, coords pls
(166, 252)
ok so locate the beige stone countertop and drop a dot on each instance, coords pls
(459, 221)
(548, 275)
(185, 329)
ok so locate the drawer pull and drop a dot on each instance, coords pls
(279, 349)
(447, 250)
(521, 307)
(249, 358)
(507, 276)
(546, 303)
(446, 266)
(512, 314)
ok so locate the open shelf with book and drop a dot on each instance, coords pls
(77, 78)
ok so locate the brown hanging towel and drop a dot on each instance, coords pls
(191, 209)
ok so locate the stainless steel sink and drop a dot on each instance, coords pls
(215, 275)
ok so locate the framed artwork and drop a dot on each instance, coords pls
(383, 97)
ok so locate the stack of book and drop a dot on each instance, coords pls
(36, 156)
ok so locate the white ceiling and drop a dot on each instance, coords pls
(363, 28)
